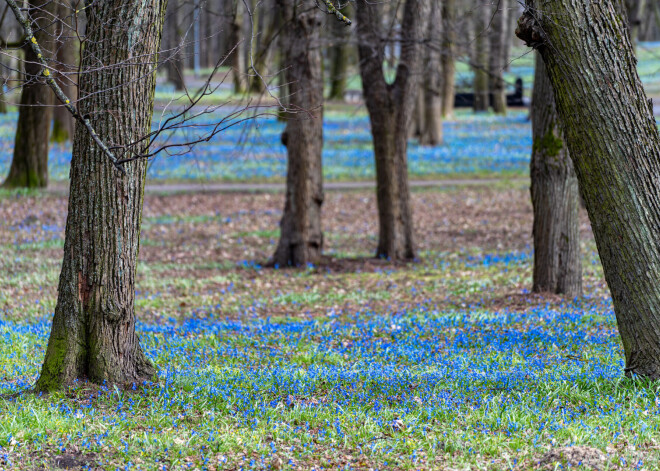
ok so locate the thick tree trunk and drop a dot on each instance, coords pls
(29, 165)
(390, 108)
(555, 197)
(93, 333)
(480, 57)
(301, 237)
(447, 58)
(431, 133)
(615, 147)
(67, 58)
(174, 57)
(340, 54)
(497, 30)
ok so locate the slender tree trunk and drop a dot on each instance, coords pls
(269, 21)
(615, 147)
(431, 134)
(340, 55)
(390, 108)
(447, 57)
(480, 57)
(174, 57)
(236, 49)
(301, 237)
(635, 15)
(29, 166)
(67, 58)
(555, 197)
(93, 333)
(496, 62)
(509, 33)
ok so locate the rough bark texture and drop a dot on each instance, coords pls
(496, 62)
(29, 165)
(615, 147)
(301, 237)
(93, 333)
(555, 198)
(390, 108)
(431, 132)
(67, 65)
(174, 56)
(448, 61)
(480, 58)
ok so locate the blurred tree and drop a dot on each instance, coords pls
(66, 54)
(93, 333)
(29, 165)
(496, 59)
(614, 143)
(480, 17)
(431, 128)
(555, 198)
(173, 39)
(448, 56)
(340, 54)
(390, 107)
(301, 236)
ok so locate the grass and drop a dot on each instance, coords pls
(447, 363)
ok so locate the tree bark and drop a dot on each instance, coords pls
(480, 58)
(268, 25)
(431, 134)
(236, 45)
(67, 65)
(635, 14)
(448, 61)
(93, 333)
(555, 198)
(301, 237)
(390, 108)
(29, 165)
(174, 58)
(615, 147)
(497, 30)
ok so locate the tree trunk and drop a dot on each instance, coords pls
(480, 57)
(496, 62)
(29, 165)
(431, 134)
(555, 197)
(301, 237)
(447, 58)
(93, 333)
(174, 57)
(340, 54)
(236, 45)
(67, 65)
(635, 14)
(268, 24)
(390, 108)
(615, 147)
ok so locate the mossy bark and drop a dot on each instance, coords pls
(555, 198)
(93, 333)
(390, 109)
(301, 235)
(29, 165)
(615, 147)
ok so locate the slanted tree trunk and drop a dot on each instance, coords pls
(390, 108)
(555, 198)
(340, 54)
(431, 134)
(93, 333)
(615, 147)
(174, 64)
(447, 57)
(301, 237)
(29, 165)
(497, 30)
(480, 57)
(67, 65)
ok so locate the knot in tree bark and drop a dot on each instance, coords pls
(529, 30)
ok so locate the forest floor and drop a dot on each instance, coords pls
(445, 363)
